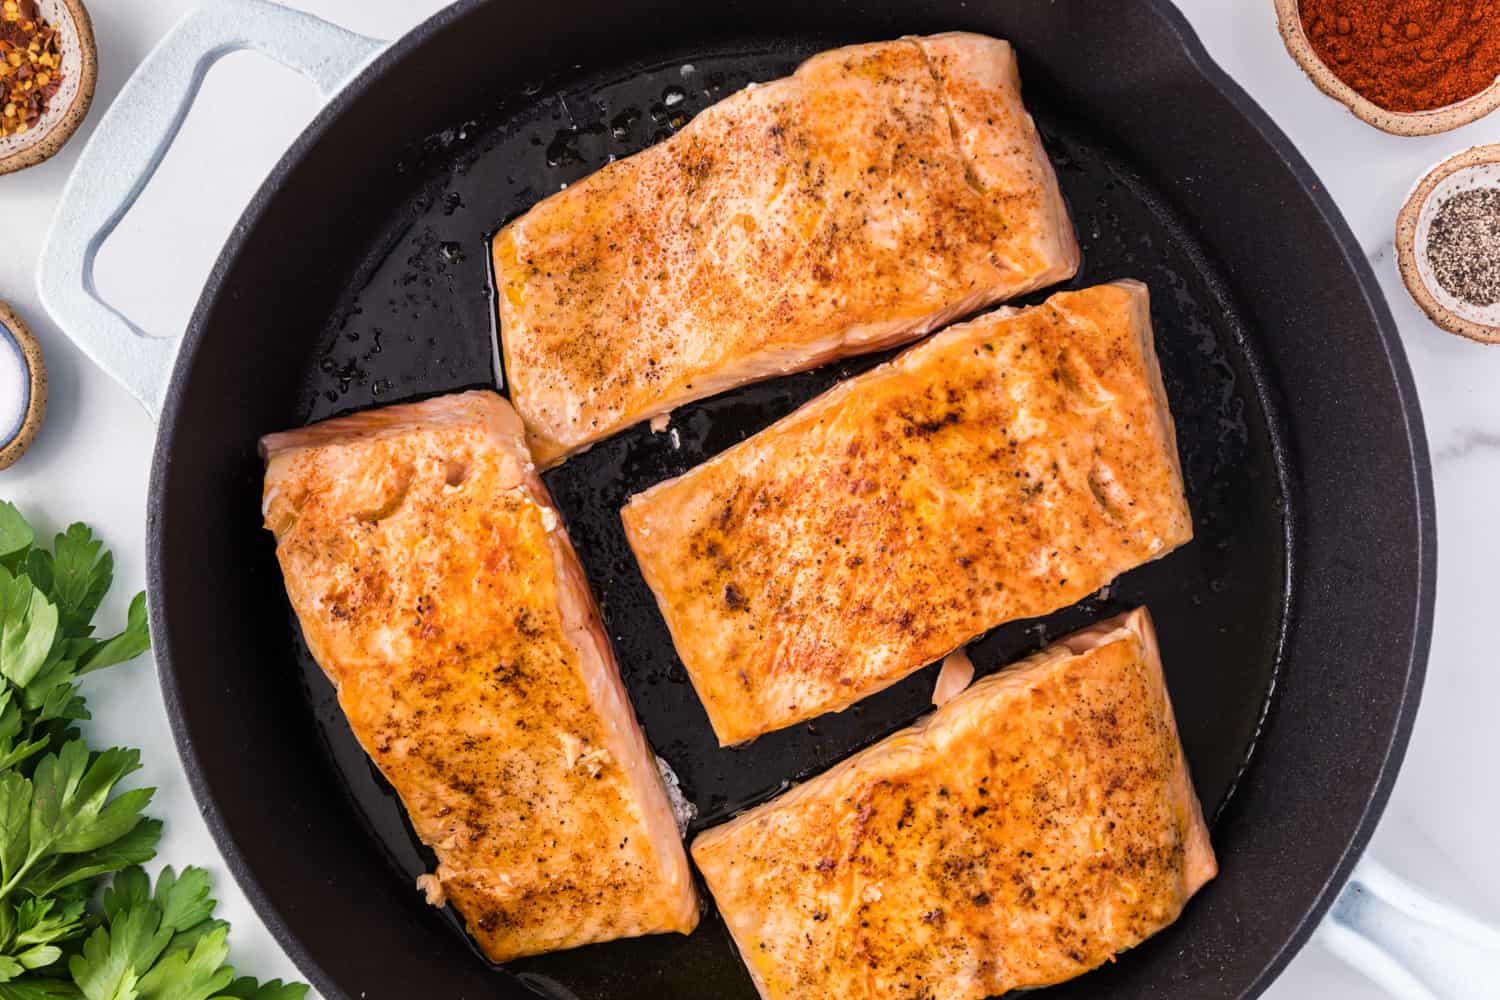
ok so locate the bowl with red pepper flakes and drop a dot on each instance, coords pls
(1408, 67)
(47, 74)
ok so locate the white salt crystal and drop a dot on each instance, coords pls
(15, 386)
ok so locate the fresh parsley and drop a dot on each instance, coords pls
(67, 831)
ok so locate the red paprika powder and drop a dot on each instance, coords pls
(1408, 55)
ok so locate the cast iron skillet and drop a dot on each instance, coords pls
(357, 277)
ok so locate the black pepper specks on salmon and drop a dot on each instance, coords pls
(1036, 825)
(911, 508)
(449, 624)
(895, 179)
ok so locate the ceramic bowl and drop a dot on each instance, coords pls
(23, 373)
(66, 111)
(1289, 17)
(1477, 167)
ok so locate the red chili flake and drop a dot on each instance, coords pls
(30, 66)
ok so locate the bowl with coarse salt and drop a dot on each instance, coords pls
(23, 387)
(1448, 244)
(1406, 68)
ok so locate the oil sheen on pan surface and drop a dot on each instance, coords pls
(419, 321)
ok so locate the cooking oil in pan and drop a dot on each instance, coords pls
(419, 320)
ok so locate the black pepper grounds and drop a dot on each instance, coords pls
(1463, 246)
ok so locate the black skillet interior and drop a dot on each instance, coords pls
(421, 323)
(1258, 316)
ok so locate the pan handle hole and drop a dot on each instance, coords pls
(185, 212)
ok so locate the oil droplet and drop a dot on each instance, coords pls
(673, 96)
(451, 251)
(561, 150)
(452, 202)
(621, 124)
(381, 386)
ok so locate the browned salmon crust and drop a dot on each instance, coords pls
(1004, 469)
(436, 587)
(1023, 834)
(876, 194)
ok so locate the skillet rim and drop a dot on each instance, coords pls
(1392, 754)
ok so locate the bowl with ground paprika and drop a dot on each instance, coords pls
(47, 74)
(1408, 67)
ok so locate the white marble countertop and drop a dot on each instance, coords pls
(91, 460)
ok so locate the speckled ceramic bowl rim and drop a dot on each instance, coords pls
(1407, 222)
(59, 125)
(15, 440)
(1289, 19)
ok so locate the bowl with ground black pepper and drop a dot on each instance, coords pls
(47, 74)
(1448, 244)
(1408, 67)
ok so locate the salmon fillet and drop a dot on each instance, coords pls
(1005, 468)
(437, 588)
(1021, 835)
(873, 196)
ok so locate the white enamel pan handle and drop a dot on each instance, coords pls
(1409, 943)
(128, 145)
(1413, 946)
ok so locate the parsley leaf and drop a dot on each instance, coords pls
(30, 934)
(64, 810)
(196, 974)
(129, 644)
(108, 967)
(248, 989)
(81, 573)
(64, 825)
(134, 848)
(45, 921)
(28, 626)
(39, 988)
(164, 946)
(16, 535)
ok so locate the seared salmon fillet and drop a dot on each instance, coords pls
(876, 194)
(1005, 468)
(437, 588)
(1021, 835)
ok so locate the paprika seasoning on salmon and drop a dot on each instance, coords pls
(1408, 55)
